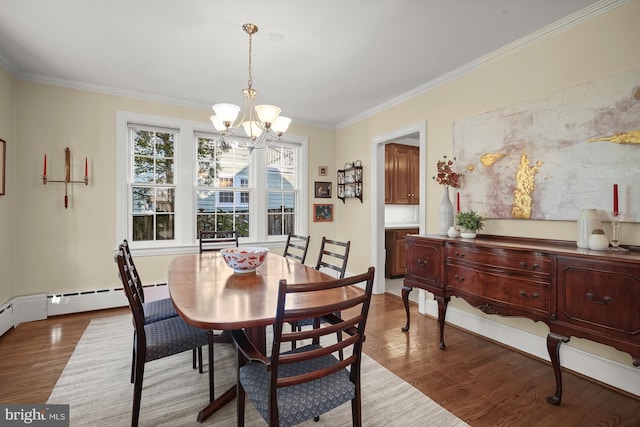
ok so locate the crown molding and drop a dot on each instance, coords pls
(563, 24)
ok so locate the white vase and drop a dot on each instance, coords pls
(588, 221)
(446, 212)
(468, 234)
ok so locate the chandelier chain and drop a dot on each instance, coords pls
(250, 81)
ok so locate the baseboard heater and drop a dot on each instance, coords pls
(6, 318)
(75, 302)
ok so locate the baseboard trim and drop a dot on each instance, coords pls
(617, 375)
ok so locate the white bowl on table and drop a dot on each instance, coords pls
(244, 259)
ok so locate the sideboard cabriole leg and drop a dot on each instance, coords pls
(405, 299)
(553, 346)
(442, 311)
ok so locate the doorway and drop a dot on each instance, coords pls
(418, 131)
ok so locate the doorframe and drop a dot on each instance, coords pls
(377, 204)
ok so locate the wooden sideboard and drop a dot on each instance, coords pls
(576, 292)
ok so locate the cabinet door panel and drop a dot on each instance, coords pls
(400, 181)
(598, 295)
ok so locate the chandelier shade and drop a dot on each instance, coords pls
(263, 124)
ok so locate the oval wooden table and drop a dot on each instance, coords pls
(207, 294)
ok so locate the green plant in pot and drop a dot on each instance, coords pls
(470, 223)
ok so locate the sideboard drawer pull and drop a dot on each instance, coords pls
(532, 297)
(525, 265)
(605, 300)
(459, 255)
(422, 262)
(459, 278)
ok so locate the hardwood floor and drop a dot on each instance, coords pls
(481, 382)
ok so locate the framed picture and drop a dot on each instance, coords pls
(3, 164)
(322, 213)
(322, 190)
(322, 170)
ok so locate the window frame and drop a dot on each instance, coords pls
(185, 184)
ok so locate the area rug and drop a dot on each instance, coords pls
(95, 383)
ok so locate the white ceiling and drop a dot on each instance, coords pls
(338, 59)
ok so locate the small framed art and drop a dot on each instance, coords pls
(322, 213)
(322, 190)
(322, 170)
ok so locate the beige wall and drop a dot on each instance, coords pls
(68, 250)
(591, 50)
(7, 234)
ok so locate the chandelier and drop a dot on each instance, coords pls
(263, 124)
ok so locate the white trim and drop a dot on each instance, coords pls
(377, 189)
(618, 375)
(184, 163)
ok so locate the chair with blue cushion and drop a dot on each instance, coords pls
(158, 339)
(333, 255)
(153, 310)
(298, 385)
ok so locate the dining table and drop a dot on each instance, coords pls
(208, 294)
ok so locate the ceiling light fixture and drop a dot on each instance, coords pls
(263, 124)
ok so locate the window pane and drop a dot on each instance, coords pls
(142, 169)
(164, 171)
(165, 229)
(142, 227)
(222, 166)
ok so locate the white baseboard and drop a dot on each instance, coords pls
(618, 375)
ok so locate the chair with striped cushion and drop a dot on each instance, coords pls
(291, 387)
(296, 247)
(158, 339)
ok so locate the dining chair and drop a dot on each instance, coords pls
(216, 240)
(153, 310)
(159, 339)
(296, 247)
(294, 386)
(333, 255)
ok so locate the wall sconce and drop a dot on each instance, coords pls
(67, 176)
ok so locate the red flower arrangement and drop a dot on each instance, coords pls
(446, 175)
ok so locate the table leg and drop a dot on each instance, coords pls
(259, 338)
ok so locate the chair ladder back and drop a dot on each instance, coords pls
(334, 255)
(129, 287)
(353, 326)
(297, 247)
(135, 276)
(215, 240)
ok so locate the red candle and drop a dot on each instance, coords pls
(44, 172)
(458, 202)
(615, 200)
(86, 168)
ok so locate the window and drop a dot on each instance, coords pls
(175, 177)
(152, 190)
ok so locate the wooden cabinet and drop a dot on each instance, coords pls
(586, 294)
(396, 248)
(402, 174)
